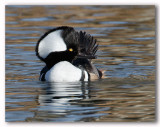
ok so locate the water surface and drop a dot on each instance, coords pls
(126, 37)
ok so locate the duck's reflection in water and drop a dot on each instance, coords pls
(68, 102)
(61, 97)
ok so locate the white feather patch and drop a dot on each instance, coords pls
(86, 76)
(51, 43)
(63, 72)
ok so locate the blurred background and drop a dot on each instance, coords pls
(126, 38)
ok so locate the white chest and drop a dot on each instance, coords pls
(64, 72)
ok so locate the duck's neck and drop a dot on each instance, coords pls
(56, 57)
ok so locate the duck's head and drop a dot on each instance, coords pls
(61, 44)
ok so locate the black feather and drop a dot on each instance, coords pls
(87, 47)
(87, 44)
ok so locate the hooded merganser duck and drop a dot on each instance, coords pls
(67, 55)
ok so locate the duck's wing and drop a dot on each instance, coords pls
(86, 64)
(87, 45)
(43, 73)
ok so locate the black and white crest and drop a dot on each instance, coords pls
(56, 40)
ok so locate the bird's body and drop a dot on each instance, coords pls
(67, 55)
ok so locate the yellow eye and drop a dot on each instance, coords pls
(70, 49)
